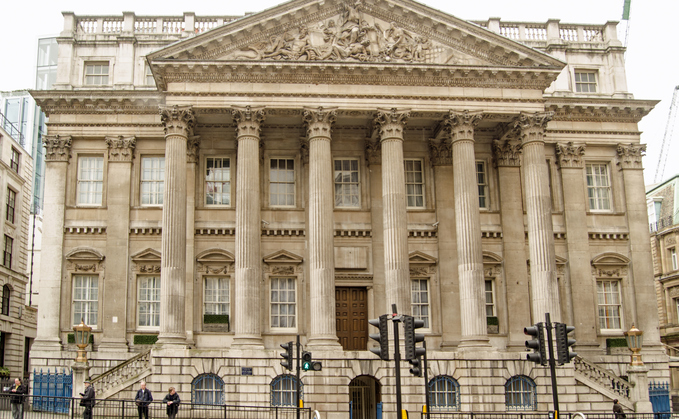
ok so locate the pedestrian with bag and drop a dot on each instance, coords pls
(143, 400)
(87, 400)
(172, 400)
(17, 399)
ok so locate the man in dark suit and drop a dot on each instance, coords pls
(143, 400)
(87, 400)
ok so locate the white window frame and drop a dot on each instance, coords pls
(418, 306)
(93, 74)
(148, 76)
(673, 258)
(606, 302)
(152, 304)
(212, 179)
(89, 301)
(490, 293)
(274, 310)
(91, 186)
(598, 193)
(357, 183)
(484, 199)
(215, 296)
(412, 183)
(156, 183)
(592, 77)
(274, 181)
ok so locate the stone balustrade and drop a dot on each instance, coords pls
(539, 34)
(122, 373)
(603, 378)
(146, 25)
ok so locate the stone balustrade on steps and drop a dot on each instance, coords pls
(123, 375)
(603, 382)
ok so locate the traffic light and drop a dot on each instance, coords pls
(382, 337)
(411, 338)
(308, 364)
(416, 368)
(537, 344)
(563, 343)
(287, 356)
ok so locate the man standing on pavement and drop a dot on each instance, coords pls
(17, 399)
(143, 399)
(87, 400)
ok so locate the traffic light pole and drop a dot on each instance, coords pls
(397, 360)
(426, 378)
(299, 384)
(552, 365)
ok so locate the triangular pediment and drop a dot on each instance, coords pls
(146, 255)
(366, 33)
(283, 256)
(421, 258)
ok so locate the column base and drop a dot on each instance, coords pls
(46, 345)
(325, 343)
(247, 342)
(171, 340)
(113, 345)
(475, 343)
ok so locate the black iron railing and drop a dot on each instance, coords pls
(664, 222)
(13, 131)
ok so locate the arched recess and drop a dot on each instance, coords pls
(365, 393)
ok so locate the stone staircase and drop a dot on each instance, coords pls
(603, 382)
(123, 375)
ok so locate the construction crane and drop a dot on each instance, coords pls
(667, 138)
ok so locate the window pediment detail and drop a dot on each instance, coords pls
(421, 264)
(283, 262)
(610, 264)
(492, 265)
(215, 261)
(85, 259)
(147, 261)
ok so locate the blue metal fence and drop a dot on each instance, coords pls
(52, 390)
(659, 393)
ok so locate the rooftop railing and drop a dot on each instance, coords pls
(552, 31)
(664, 222)
(12, 130)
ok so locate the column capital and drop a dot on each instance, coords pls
(319, 122)
(57, 148)
(192, 147)
(461, 124)
(507, 153)
(178, 120)
(248, 120)
(440, 152)
(373, 152)
(120, 149)
(391, 123)
(532, 126)
(570, 155)
(629, 155)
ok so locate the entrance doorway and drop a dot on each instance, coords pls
(352, 317)
(364, 393)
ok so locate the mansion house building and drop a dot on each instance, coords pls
(216, 186)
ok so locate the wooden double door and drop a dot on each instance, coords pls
(352, 317)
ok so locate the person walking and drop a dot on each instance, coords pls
(87, 400)
(143, 400)
(617, 410)
(172, 400)
(17, 398)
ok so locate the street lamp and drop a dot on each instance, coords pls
(635, 339)
(82, 339)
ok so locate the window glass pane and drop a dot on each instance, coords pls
(217, 181)
(420, 300)
(414, 183)
(282, 182)
(149, 301)
(152, 180)
(85, 299)
(283, 302)
(346, 183)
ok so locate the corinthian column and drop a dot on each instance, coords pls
(248, 229)
(396, 269)
(321, 247)
(178, 123)
(57, 155)
(544, 287)
(468, 226)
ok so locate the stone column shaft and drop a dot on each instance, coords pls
(544, 286)
(468, 226)
(396, 263)
(247, 325)
(179, 122)
(321, 231)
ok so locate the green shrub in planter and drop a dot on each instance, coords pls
(4, 372)
(216, 318)
(145, 339)
(492, 321)
(616, 343)
(71, 338)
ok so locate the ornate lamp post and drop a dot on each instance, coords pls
(82, 339)
(635, 339)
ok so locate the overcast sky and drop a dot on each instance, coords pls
(652, 56)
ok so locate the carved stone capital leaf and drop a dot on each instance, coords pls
(57, 148)
(391, 123)
(120, 148)
(248, 121)
(373, 152)
(461, 124)
(178, 120)
(570, 155)
(507, 153)
(192, 148)
(629, 155)
(440, 152)
(532, 126)
(319, 122)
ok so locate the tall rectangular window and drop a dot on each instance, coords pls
(86, 299)
(420, 300)
(609, 301)
(585, 81)
(283, 302)
(11, 204)
(490, 299)
(346, 183)
(148, 76)
(673, 258)
(152, 180)
(598, 187)
(282, 182)
(96, 73)
(216, 295)
(148, 301)
(217, 181)
(90, 180)
(414, 183)
(482, 182)
(14, 160)
(7, 254)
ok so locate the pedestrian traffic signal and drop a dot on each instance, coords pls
(537, 344)
(287, 356)
(563, 343)
(416, 368)
(411, 338)
(382, 337)
(308, 364)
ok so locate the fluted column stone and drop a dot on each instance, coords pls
(247, 325)
(468, 226)
(57, 156)
(396, 265)
(544, 286)
(178, 122)
(323, 330)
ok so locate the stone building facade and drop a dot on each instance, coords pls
(225, 184)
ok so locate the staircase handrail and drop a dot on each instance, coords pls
(604, 378)
(124, 370)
